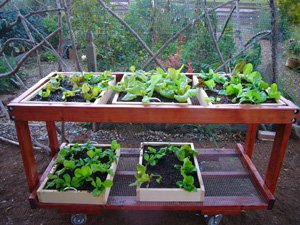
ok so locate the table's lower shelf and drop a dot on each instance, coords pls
(231, 181)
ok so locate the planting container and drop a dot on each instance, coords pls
(102, 99)
(202, 98)
(170, 194)
(116, 101)
(73, 196)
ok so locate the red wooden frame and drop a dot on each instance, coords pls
(283, 116)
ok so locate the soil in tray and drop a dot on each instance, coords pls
(227, 99)
(139, 98)
(57, 96)
(87, 186)
(165, 168)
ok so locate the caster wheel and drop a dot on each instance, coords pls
(215, 220)
(78, 219)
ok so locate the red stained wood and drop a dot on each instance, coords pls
(255, 176)
(29, 163)
(212, 204)
(52, 136)
(283, 132)
(33, 88)
(250, 139)
(251, 115)
(152, 113)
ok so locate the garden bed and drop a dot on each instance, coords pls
(127, 86)
(82, 194)
(65, 93)
(212, 96)
(168, 173)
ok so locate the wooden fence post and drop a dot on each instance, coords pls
(91, 52)
(91, 61)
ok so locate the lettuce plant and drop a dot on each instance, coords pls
(172, 85)
(88, 85)
(245, 85)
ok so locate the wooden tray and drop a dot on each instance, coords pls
(202, 96)
(170, 194)
(76, 197)
(102, 99)
(115, 99)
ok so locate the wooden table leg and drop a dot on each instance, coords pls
(250, 139)
(29, 163)
(283, 132)
(52, 136)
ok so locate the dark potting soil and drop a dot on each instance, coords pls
(165, 168)
(57, 96)
(139, 98)
(225, 99)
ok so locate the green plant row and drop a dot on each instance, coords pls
(89, 84)
(244, 85)
(83, 167)
(152, 157)
(171, 85)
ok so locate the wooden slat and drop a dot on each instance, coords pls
(153, 113)
(250, 139)
(211, 204)
(29, 162)
(255, 176)
(52, 136)
(33, 88)
(283, 132)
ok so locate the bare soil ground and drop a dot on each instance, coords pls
(15, 209)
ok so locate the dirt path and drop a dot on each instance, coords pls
(15, 209)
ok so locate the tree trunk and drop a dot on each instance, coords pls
(274, 77)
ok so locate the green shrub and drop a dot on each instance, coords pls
(5, 82)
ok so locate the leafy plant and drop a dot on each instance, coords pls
(88, 85)
(151, 156)
(245, 85)
(187, 183)
(182, 152)
(141, 176)
(171, 85)
(100, 186)
(78, 166)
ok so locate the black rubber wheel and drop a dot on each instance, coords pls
(215, 220)
(78, 219)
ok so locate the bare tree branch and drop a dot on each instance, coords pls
(226, 23)
(5, 44)
(72, 36)
(220, 6)
(175, 36)
(212, 34)
(131, 31)
(4, 3)
(31, 38)
(53, 50)
(60, 35)
(4, 110)
(11, 25)
(22, 60)
(255, 39)
(17, 77)
(274, 41)
(238, 24)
